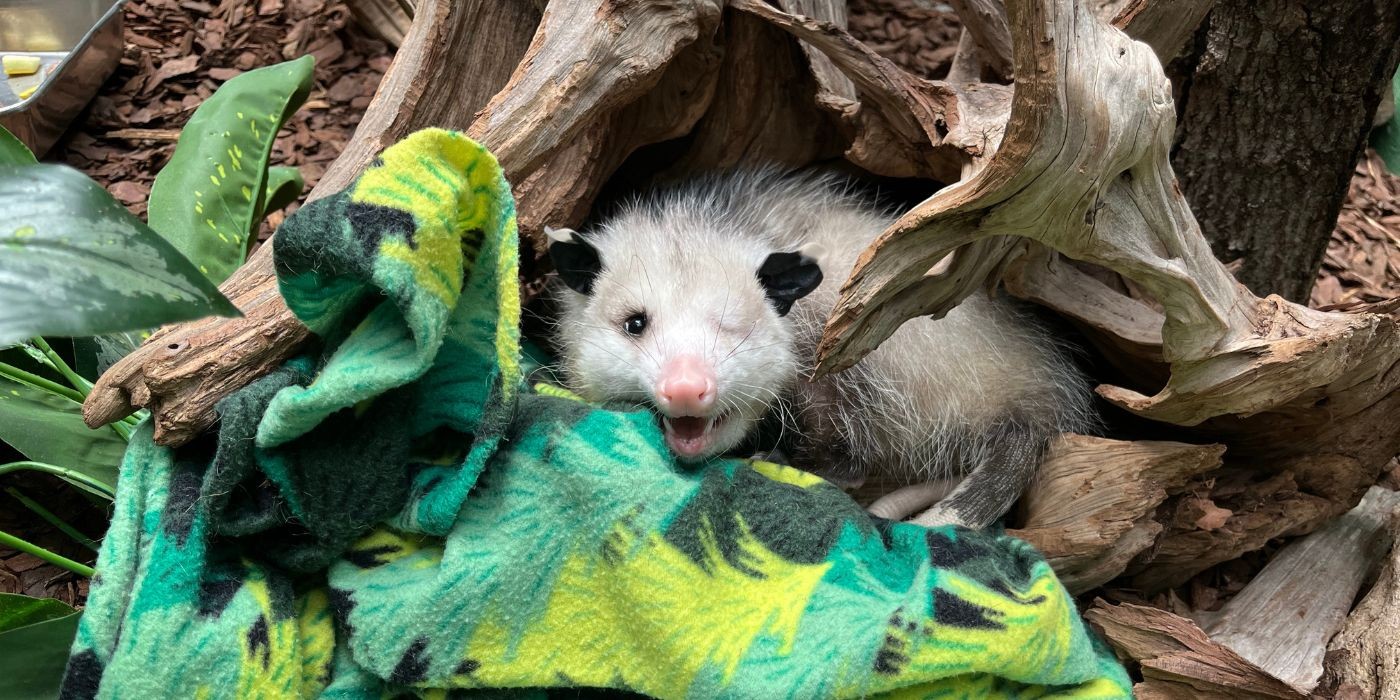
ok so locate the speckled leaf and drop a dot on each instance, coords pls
(208, 201)
(49, 428)
(1386, 139)
(32, 658)
(284, 186)
(20, 610)
(94, 355)
(75, 262)
(13, 151)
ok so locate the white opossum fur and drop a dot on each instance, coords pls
(985, 385)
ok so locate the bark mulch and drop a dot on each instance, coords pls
(179, 51)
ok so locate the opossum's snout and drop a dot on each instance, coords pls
(685, 394)
(686, 387)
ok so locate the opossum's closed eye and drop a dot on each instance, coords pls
(635, 324)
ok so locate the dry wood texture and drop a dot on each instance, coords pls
(1083, 173)
(1363, 660)
(1178, 661)
(1090, 511)
(1283, 619)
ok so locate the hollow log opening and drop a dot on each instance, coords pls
(1035, 141)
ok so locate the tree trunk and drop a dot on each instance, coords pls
(1276, 112)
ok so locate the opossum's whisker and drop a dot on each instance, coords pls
(786, 418)
(630, 364)
(741, 342)
(732, 355)
(723, 309)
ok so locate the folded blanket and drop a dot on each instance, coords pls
(397, 512)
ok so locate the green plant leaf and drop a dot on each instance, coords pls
(284, 185)
(49, 428)
(93, 355)
(74, 262)
(1386, 138)
(208, 201)
(13, 151)
(20, 610)
(33, 657)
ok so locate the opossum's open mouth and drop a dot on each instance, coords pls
(692, 436)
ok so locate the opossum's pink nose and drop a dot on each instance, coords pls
(686, 386)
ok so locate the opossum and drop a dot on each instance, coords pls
(705, 301)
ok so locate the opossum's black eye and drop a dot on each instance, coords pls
(635, 324)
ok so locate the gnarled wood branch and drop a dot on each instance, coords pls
(1178, 661)
(1090, 510)
(1363, 660)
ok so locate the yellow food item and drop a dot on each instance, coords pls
(20, 65)
(25, 95)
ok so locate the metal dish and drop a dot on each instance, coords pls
(80, 39)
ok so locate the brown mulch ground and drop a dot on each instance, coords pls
(179, 51)
(1363, 258)
(920, 37)
(27, 574)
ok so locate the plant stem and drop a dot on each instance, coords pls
(77, 380)
(39, 382)
(52, 519)
(13, 542)
(121, 429)
(74, 477)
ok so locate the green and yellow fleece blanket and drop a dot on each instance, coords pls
(396, 513)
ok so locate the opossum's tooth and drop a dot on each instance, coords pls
(709, 423)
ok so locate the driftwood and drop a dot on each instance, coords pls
(389, 20)
(1284, 618)
(1363, 660)
(1178, 661)
(1090, 511)
(1062, 192)
(1083, 173)
(1269, 640)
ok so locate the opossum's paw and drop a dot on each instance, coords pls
(940, 515)
(966, 511)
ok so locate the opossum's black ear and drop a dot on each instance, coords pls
(574, 258)
(787, 277)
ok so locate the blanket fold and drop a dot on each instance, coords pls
(396, 512)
